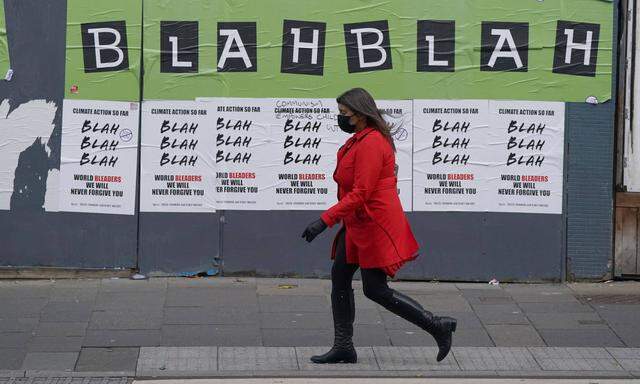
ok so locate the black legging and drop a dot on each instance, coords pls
(374, 280)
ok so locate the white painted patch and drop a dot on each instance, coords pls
(18, 131)
(51, 198)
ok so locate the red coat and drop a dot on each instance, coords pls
(378, 234)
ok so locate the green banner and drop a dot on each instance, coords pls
(402, 49)
(103, 50)
(4, 44)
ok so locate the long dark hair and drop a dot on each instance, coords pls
(360, 101)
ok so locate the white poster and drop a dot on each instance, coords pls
(99, 156)
(177, 159)
(26, 127)
(527, 147)
(280, 154)
(307, 142)
(244, 154)
(449, 160)
(399, 113)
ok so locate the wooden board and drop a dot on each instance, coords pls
(627, 199)
(626, 241)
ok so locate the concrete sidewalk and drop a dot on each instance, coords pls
(269, 327)
(390, 381)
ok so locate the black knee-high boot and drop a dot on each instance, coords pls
(343, 308)
(441, 328)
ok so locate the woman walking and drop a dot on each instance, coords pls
(375, 235)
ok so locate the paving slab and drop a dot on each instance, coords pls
(274, 281)
(208, 297)
(296, 337)
(161, 361)
(481, 291)
(628, 333)
(365, 316)
(495, 359)
(555, 307)
(129, 299)
(361, 302)
(610, 287)
(212, 282)
(119, 285)
(575, 359)
(47, 329)
(490, 300)
(370, 335)
(257, 359)
(500, 314)
(77, 283)
(58, 361)
(393, 321)
(366, 360)
(67, 311)
(619, 316)
(64, 316)
(127, 319)
(557, 291)
(413, 358)
(564, 377)
(14, 339)
(477, 286)
(55, 344)
(24, 324)
(466, 320)
(411, 338)
(25, 289)
(122, 338)
(301, 320)
(203, 335)
(516, 362)
(508, 335)
(293, 287)
(545, 298)
(11, 358)
(389, 380)
(472, 338)
(107, 359)
(17, 307)
(443, 303)
(211, 315)
(560, 320)
(6, 375)
(604, 337)
(66, 377)
(294, 304)
(73, 294)
(628, 358)
(427, 287)
(538, 287)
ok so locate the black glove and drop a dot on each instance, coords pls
(313, 230)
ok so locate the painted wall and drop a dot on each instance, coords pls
(30, 234)
(456, 245)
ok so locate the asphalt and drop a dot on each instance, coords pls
(247, 327)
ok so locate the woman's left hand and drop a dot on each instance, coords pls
(313, 230)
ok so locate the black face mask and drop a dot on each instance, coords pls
(345, 125)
